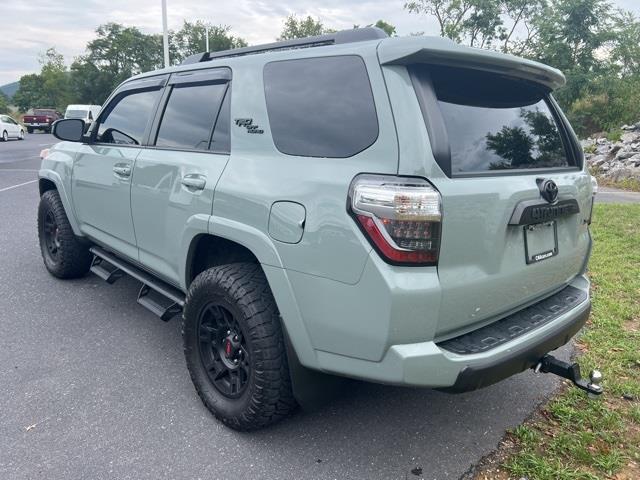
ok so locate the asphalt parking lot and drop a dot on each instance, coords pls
(94, 386)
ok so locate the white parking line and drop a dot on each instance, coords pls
(18, 170)
(16, 186)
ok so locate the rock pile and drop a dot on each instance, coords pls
(615, 160)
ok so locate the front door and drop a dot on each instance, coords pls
(101, 180)
(174, 178)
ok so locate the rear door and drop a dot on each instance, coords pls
(501, 145)
(174, 178)
(101, 180)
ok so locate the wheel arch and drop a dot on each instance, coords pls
(241, 246)
(50, 180)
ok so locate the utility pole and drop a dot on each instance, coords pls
(206, 36)
(165, 33)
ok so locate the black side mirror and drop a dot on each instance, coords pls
(69, 129)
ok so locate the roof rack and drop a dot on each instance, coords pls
(344, 36)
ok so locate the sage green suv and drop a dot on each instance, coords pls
(400, 210)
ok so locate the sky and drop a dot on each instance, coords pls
(29, 27)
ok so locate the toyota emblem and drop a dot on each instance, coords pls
(548, 190)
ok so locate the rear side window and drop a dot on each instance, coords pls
(190, 116)
(320, 107)
(127, 117)
(492, 122)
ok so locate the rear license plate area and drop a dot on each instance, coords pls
(540, 241)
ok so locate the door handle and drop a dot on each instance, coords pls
(194, 181)
(122, 170)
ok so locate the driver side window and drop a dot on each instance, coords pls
(127, 117)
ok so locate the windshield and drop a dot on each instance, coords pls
(76, 114)
(494, 122)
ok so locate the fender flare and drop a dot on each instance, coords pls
(265, 251)
(66, 203)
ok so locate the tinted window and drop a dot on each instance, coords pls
(320, 107)
(496, 123)
(221, 141)
(190, 115)
(127, 119)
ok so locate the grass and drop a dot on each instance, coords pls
(631, 184)
(573, 437)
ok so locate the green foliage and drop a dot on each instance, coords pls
(300, 28)
(595, 46)
(117, 53)
(4, 103)
(190, 39)
(480, 23)
(387, 27)
(49, 88)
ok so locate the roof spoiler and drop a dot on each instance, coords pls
(442, 51)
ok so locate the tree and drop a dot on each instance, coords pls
(306, 27)
(480, 23)
(190, 39)
(382, 25)
(49, 88)
(4, 103)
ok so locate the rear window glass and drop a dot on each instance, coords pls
(320, 107)
(190, 115)
(496, 123)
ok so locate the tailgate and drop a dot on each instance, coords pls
(483, 269)
(516, 200)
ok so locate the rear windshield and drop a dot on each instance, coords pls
(495, 123)
(43, 112)
(75, 114)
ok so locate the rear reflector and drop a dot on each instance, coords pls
(400, 216)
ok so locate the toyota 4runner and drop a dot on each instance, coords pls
(400, 210)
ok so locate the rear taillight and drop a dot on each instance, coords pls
(400, 216)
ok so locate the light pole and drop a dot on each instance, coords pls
(206, 36)
(165, 33)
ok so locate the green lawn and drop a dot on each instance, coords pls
(573, 437)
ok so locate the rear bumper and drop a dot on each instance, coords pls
(430, 364)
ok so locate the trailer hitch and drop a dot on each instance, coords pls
(571, 371)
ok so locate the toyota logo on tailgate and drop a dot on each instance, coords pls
(548, 189)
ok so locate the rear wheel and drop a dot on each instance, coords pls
(64, 255)
(234, 347)
(29, 130)
(21, 135)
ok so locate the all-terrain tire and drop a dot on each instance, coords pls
(64, 254)
(240, 295)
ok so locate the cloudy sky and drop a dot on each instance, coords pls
(31, 26)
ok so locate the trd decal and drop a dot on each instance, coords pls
(248, 124)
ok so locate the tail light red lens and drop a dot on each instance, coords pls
(400, 216)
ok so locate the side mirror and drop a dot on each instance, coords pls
(69, 129)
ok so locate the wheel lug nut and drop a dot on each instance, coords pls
(235, 338)
(228, 332)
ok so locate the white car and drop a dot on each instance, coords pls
(84, 112)
(9, 128)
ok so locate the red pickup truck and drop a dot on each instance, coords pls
(41, 119)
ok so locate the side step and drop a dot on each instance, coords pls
(159, 297)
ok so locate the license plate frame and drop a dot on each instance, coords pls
(540, 241)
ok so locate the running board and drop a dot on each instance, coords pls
(159, 297)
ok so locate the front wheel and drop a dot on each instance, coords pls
(64, 255)
(234, 347)
(21, 135)
(5, 136)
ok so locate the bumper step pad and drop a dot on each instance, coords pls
(517, 324)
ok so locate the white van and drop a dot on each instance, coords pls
(85, 112)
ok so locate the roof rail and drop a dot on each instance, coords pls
(343, 36)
